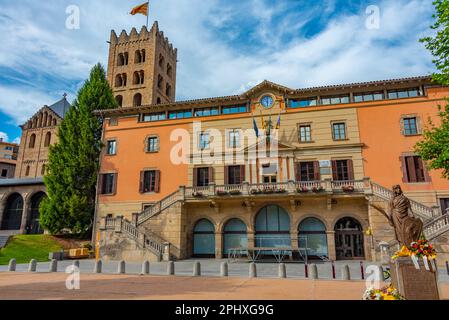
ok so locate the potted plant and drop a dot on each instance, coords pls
(197, 194)
(256, 191)
(348, 189)
(235, 192)
(281, 190)
(222, 193)
(318, 189)
(302, 190)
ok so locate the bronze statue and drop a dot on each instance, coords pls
(407, 228)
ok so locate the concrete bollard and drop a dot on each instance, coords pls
(282, 271)
(313, 271)
(345, 273)
(53, 267)
(224, 270)
(76, 263)
(121, 267)
(32, 266)
(146, 267)
(12, 265)
(170, 268)
(98, 266)
(252, 270)
(196, 269)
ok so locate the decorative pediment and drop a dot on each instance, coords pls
(264, 142)
(267, 86)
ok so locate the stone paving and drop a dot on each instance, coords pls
(211, 267)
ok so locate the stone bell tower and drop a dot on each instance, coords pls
(142, 67)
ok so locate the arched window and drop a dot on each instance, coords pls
(312, 235)
(143, 55)
(50, 120)
(44, 123)
(158, 100)
(47, 140)
(167, 90)
(119, 100)
(30, 124)
(32, 141)
(120, 59)
(33, 225)
(118, 80)
(161, 61)
(349, 240)
(169, 70)
(160, 81)
(39, 125)
(137, 101)
(138, 57)
(34, 122)
(138, 77)
(124, 79)
(235, 236)
(54, 122)
(12, 216)
(204, 239)
(27, 171)
(126, 58)
(142, 77)
(272, 227)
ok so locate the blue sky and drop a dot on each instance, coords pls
(224, 46)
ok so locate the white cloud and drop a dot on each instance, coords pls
(210, 63)
(4, 137)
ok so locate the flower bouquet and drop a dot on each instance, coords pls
(385, 293)
(421, 248)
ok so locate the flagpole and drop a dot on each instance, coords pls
(148, 12)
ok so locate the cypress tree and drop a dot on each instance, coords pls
(74, 160)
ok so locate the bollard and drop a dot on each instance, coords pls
(334, 276)
(361, 270)
(313, 271)
(447, 267)
(306, 270)
(224, 272)
(76, 263)
(282, 271)
(252, 270)
(345, 273)
(121, 267)
(12, 265)
(32, 266)
(170, 268)
(53, 266)
(98, 266)
(146, 267)
(196, 269)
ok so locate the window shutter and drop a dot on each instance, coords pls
(226, 174)
(316, 170)
(114, 184)
(404, 169)
(100, 184)
(411, 169)
(334, 170)
(195, 177)
(157, 145)
(157, 184)
(142, 177)
(242, 174)
(402, 126)
(350, 165)
(425, 172)
(298, 171)
(211, 175)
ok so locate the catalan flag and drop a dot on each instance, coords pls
(142, 9)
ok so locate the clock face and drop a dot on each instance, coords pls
(267, 101)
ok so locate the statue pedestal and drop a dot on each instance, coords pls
(412, 283)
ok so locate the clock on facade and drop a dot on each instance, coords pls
(267, 101)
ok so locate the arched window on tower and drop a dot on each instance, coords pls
(121, 59)
(138, 57)
(137, 102)
(27, 171)
(167, 90)
(169, 70)
(158, 100)
(142, 77)
(143, 55)
(160, 81)
(126, 58)
(47, 139)
(118, 80)
(32, 141)
(119, 100)
(161, 61)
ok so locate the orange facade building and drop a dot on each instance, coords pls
(271, 170)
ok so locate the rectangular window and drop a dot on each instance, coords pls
(404, 93)
(234, 174)
(207, 112)
(444, 202)
(150, 181)
(204, 141)
(335, 100)
(234, 138)
(112, 147)
(181, 114)
(303, 103)
(307, 171)
(8, 148)
(235, 109)
(371, 96)
(410, 126)
(339, 131)
(153, 144)
(414, 168)
(305, 133)
(108, 183)
(154, 117)
(202, 177)
(269, 179)
(4, 173)
(342, 170)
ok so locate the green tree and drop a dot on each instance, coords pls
(434, 148)
(74, 160)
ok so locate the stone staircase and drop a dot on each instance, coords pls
(3, 241)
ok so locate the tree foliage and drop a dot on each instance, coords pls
(74, 160)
